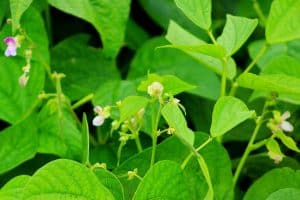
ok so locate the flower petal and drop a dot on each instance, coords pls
(98, 120)
(286, 126)
(10, 51)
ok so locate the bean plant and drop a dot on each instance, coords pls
(170, 99)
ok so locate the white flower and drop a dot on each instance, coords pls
(285, 125)
(98, 120)
(155, 89)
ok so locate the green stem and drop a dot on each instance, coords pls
(187, 159)
(138, 143)
(235, 85)
(155, 120)
(48, 24)
(259, 12)
(251, 146)
(212, 37)
(82, 101)
(223, 80)
(257, 57)
(119, 153)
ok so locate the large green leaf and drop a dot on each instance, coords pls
(228, 113)
(13, 189)
(160, 183)
(283, 22)
(175, 119)
(58, 131)
(271, 83)
(18, 144)
(17, 8)
(65, 179)
(85, 67)
(235, 33)
(172, 149)
(198, 12)
(172, 61)
(272, 181)
(111, 182)
(108, 17)
(177, 36)
(286, 193)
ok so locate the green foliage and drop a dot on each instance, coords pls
(156, 73)
(228, 113)
(68, 179)
(170, 176)
(109, 18)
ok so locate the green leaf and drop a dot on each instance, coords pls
(162, 11)
(18, 102)
(174, 62)
(206, 49)
(17, 8)
(135, 35)
(175, 119)
(285, 65)
(228, 112)
(287, 141)
(4, 5)
(58, 131)
(235, 33)
(198, 12)
(18, 144)
(85, 140)
(272, 181)
(286, 193)
(216, 158)
(283, 22)
(160, 181)
(273, 51)
(67, 180)
(13, 189)
(108, 17)
(171, 84)
(271, 83)
(110, 92)
(111, 182)
(85, 68)
(131, 105)
(179, 36)
(176, 35)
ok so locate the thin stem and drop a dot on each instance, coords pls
(224, 76)
(48, 24)
(257, 57)
(187, 159)
(82, 101)
(212, 37)
(155, 120)
(235, 85)
(259, 12)
(138, 143)
(251, 146)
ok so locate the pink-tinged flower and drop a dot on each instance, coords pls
(12, 44)
(23, 79)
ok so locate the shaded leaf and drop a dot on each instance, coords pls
(108, 17)
(131, 105)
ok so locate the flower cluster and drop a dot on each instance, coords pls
(279, 122)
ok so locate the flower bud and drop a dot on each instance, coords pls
(155, 89)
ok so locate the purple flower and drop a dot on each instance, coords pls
(12, 45)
